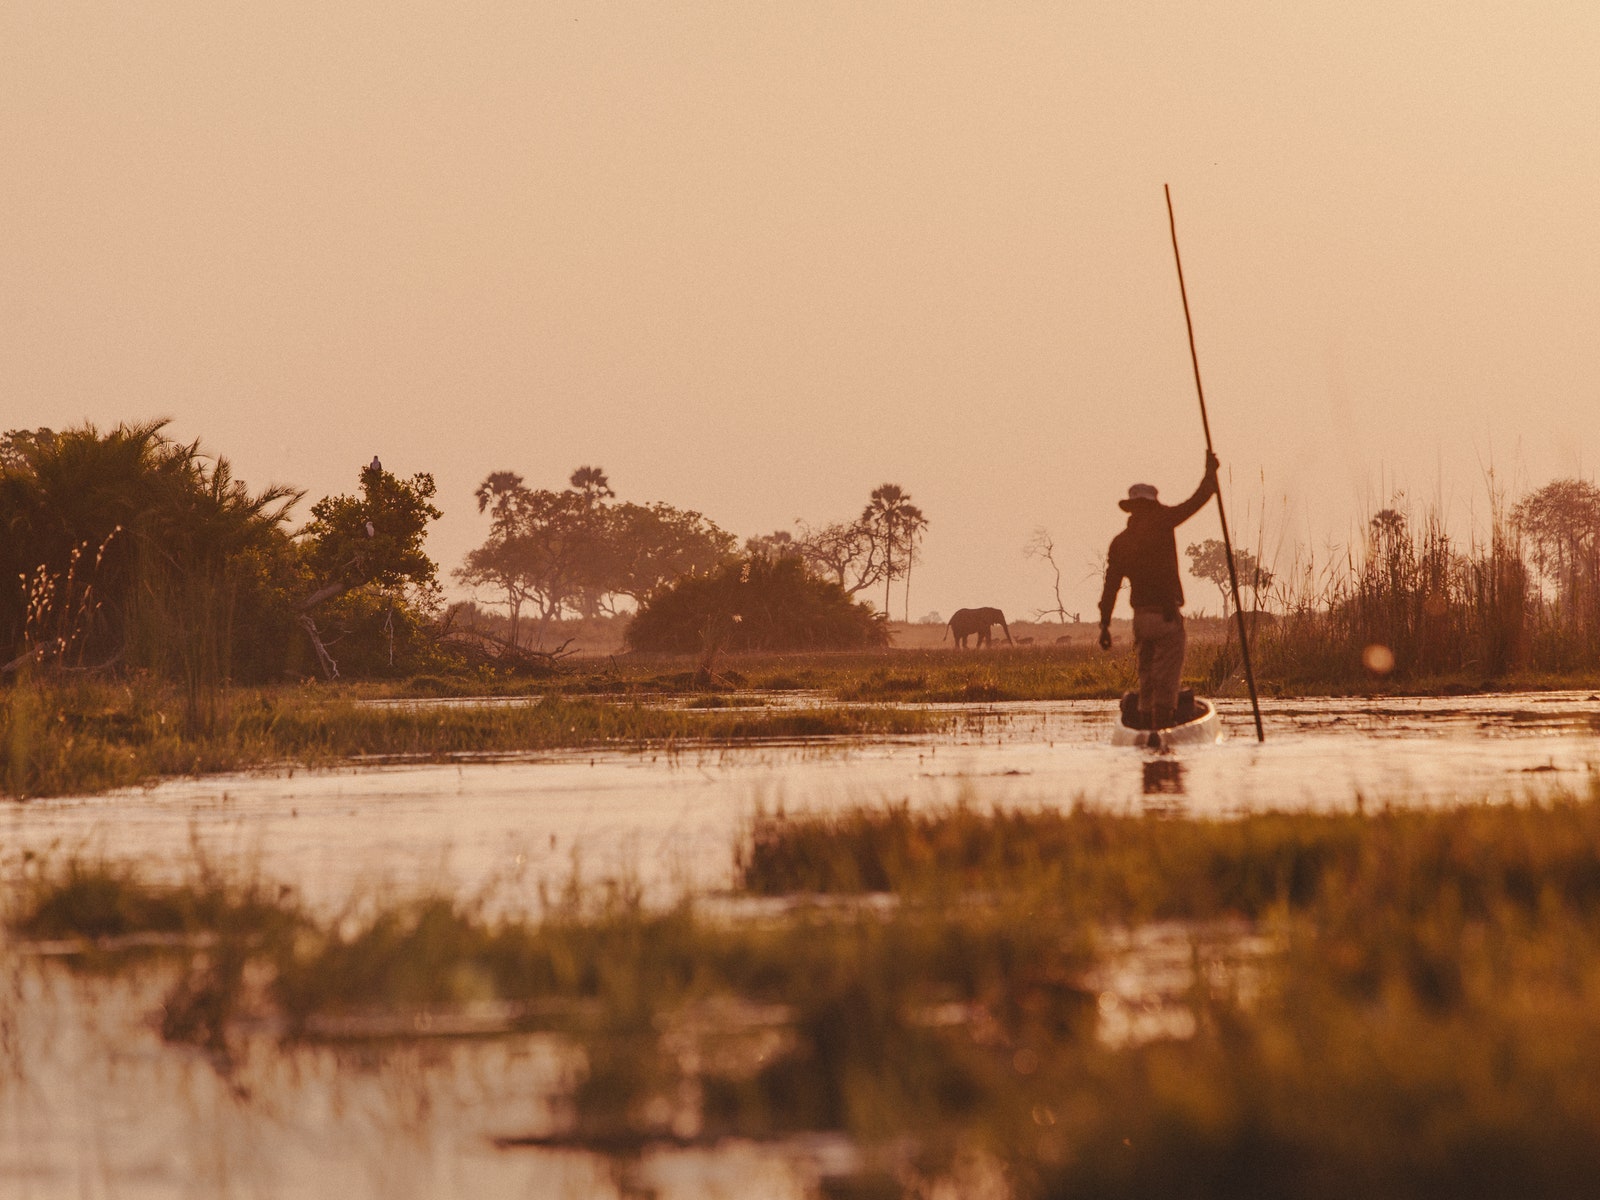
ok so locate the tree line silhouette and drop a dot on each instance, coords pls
(132, 550)
(129, 550)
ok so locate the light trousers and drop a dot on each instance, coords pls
(1161, 643)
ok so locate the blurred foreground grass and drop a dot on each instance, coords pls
(1424, 1022)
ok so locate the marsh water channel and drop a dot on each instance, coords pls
(668, 819)
(93, 1103)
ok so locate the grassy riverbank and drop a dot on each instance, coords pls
(91, 736)
(1395, 1005)
(1079, 671)
(83, 736)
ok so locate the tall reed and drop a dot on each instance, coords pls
(1412, 603)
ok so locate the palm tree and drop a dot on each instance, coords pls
(137, 546)
(594, 485)
(896, 523)
(499, 490)
(911, 559)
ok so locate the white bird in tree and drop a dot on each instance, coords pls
(375, 465)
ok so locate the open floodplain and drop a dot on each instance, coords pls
(996, 957)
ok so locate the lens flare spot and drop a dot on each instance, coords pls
(1378, 658)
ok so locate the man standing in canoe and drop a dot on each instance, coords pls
(1146, 555)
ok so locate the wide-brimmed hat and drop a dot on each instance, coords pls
(1138, 492)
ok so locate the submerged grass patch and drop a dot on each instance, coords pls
(854, 992)
(89, 737)
(1428, 1024)
(100, 902)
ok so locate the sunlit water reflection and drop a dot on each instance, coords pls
(93, 1104)
(670, 821)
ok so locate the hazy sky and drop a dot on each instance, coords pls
(758, 258)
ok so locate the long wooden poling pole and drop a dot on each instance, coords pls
(1205, 423)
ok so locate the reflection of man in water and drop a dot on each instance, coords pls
(1146, 555)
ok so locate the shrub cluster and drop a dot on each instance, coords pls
(754, 604)
(127, 549)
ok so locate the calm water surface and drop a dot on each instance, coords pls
(670, 821)
(93, 1103)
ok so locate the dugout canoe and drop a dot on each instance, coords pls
(1204, 728)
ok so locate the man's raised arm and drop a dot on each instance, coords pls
(1179, 513)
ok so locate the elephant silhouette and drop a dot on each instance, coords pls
(965, 622)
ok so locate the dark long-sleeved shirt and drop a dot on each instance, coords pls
(1146, 553)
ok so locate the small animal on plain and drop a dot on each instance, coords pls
(965, 622)
(1024, 641)
(1063, 640)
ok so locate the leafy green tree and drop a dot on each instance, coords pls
(19, 446)
(534, 550)
(371, 541)
(647, 545)
(576, 551)
(1208, 560)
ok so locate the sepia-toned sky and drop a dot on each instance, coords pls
(757, 258)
